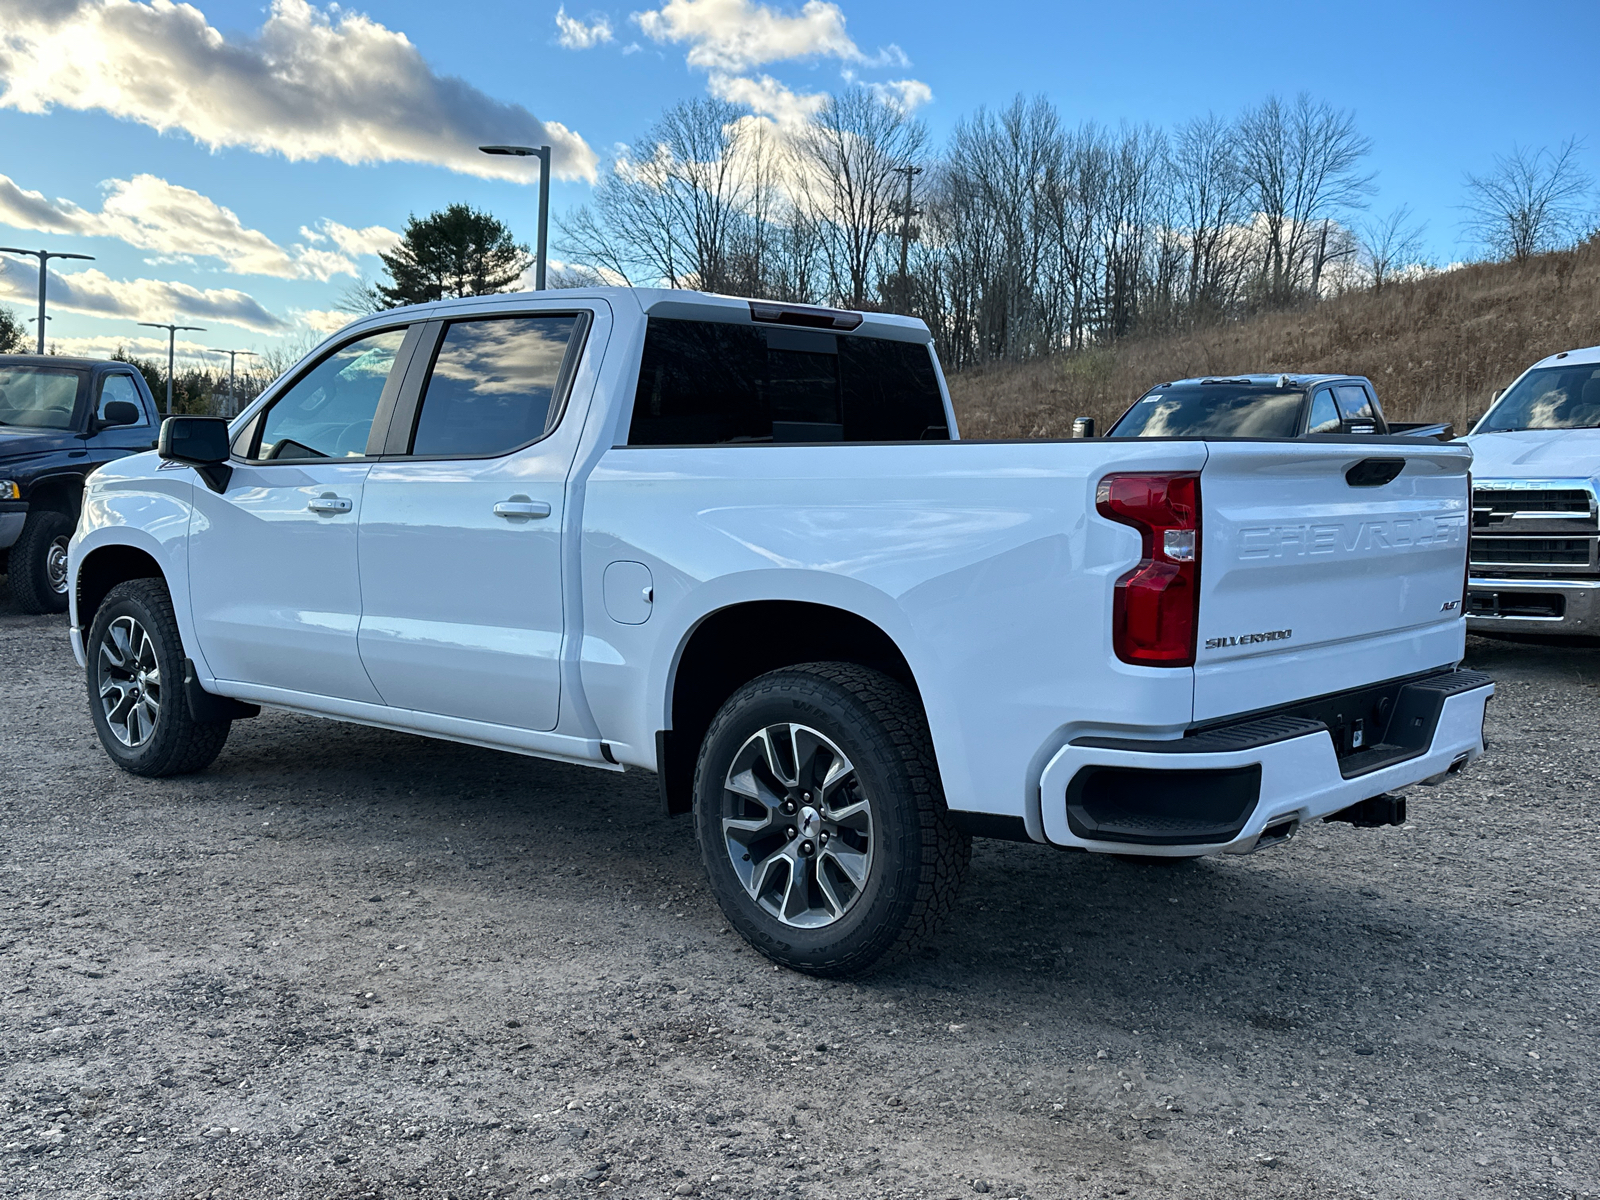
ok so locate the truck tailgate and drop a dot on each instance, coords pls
(1318, 575)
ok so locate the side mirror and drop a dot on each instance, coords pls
(120, 412)
(1083, 427)
(198, 442)
(1498, 392)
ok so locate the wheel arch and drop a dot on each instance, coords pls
(106, 566)
(733, 645)
(61, 493)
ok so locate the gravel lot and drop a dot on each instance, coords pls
(350, 963)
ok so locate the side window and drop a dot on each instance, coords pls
(1324, 416)
(328, 412)
(1354, 402)
(492, 386)
(706, 383)
(120, 387)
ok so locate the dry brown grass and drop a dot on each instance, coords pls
(1436, 348)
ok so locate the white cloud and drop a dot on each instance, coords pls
(354, 242)
(96, 294)
(575, 35)
(179, 224)
(322, 321)
(308, 84)
(728, 37)
(97, 346)
(768, 97)
(907, 95)
(734, 35)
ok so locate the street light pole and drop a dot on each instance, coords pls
(172, 342)
(542, 153)
(44, 256)
(233, 396)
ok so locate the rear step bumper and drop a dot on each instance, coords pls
(1236, 788)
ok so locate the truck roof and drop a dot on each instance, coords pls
(660, 302)
(1266, 379)
(1589, 354)
(60, 361)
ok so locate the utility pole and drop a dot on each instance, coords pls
(44, 256)
(172, 341)
(906, 214)
(233, 396)
(542, 153)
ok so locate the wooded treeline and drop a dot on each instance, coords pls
(1025, 235)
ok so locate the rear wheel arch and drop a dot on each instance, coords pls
(733, 645)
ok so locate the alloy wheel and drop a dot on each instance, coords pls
(130, 681)
(797, 825)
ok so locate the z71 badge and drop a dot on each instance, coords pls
(1249, 639)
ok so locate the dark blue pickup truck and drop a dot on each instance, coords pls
(60, 418)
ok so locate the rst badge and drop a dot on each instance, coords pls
(1249, 639)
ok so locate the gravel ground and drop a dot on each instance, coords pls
(350, 963)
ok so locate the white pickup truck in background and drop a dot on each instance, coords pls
(740, 545)
(1535, 520)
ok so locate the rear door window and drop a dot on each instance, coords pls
(493, 386)
(708, 383)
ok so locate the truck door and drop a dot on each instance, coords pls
(272, 559)
(114, 441)
(461, 524)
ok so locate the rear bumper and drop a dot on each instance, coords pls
(1238, 787)
(1547, 606)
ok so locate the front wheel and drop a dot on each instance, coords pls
(821, 821)
(38, 563)
(135, 679)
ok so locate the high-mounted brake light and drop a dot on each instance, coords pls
(1156, 610)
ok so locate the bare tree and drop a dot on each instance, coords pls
(848, 156)
(1303, 163)
(672, 211)
(1388, 244)
(1209, 199)
(1531, 200)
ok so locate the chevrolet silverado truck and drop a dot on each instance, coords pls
(740, 545)
(1535, 522)
(60, 418)
(1262, 406)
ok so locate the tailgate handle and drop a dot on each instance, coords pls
(1374, 472)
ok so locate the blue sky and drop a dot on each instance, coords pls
(1439, 88)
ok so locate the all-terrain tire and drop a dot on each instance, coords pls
(133, 643)
(918, 856)
(38, 563)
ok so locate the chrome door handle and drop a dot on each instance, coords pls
(329, 504)
(522, 508)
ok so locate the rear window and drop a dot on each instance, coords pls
(704, 383)
(1203, 410)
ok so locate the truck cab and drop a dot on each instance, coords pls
(1274, 406)
(1535, 546)
(60, 418)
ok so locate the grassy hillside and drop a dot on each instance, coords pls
(1436, 349)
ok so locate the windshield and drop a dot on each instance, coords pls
(40, 397)
(1549, 398)
(1213, 410)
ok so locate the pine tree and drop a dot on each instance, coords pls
(457, 252)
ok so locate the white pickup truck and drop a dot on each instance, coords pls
(1535, 519)
(739, 544)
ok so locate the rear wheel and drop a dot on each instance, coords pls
(821, 822)
(38, 563)
(135, 680)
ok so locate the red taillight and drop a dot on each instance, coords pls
(1157, 605)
